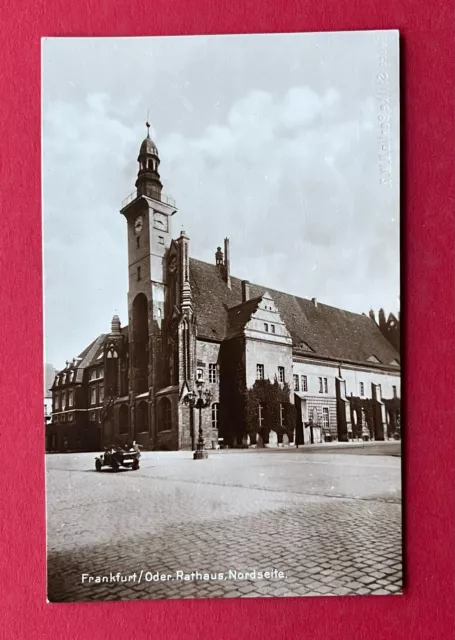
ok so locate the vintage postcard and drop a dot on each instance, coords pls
(222, 324)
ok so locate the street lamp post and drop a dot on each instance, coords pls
(199, 400)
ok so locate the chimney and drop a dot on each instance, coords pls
(219, 258)
(314, 301)
(245, 290)
(227, 263)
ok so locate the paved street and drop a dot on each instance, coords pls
(314, 522)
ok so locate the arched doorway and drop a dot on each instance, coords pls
(142, 417)
(140, 339)
(164, 422)
(124, 420)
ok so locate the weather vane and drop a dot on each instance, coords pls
(147, 123)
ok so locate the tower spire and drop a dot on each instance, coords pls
(148, 181)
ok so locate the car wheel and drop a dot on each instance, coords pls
(98, 465)
(135, 465)
(115, 465)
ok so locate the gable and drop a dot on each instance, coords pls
(265, 321)
(327, 331)
(373, 359)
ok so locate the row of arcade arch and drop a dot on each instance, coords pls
(142, 424)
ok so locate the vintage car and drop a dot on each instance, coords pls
(116, 457)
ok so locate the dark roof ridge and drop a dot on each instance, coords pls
(250, 300)
(328, 331)
(270, 291)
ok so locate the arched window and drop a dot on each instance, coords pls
(164, 415)
(124, 419)
(140, 337)
(142, 417)
(215, 415)
(112, 353)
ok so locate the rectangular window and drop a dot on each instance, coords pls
(296, 383)
(213, 373)
(282, 415)
(100, 372)
(362, 388)
(321, 386)
(93, 395)
(138, 273)
(325, 418)
(160, 240)
(379, 392)
(326, 385)
(266, 327)
(304, 383)
(101, 393)
(261, 415)
(215, 415)
(200, 374)
(71, 399)
(272, 328)
(281, 377)
(394, 391)
(259, 372)
(93, 374)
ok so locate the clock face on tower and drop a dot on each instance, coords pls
(160, 221)
(138, 225)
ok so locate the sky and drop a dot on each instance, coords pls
(275, 141)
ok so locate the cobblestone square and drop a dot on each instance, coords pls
(312, 523)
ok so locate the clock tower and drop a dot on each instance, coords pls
(148, 214)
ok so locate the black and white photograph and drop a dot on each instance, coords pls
(221, 249)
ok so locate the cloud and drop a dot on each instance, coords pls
(296, 195)
(85, 152)
(281, 158)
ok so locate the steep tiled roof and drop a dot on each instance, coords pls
(49, 376)
(237, 317)
(328, 331)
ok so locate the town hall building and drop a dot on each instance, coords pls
(280, 370)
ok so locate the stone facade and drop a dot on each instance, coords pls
(190, 321)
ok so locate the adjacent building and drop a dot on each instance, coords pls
(281, 370)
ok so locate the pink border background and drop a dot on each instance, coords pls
(426, 611)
